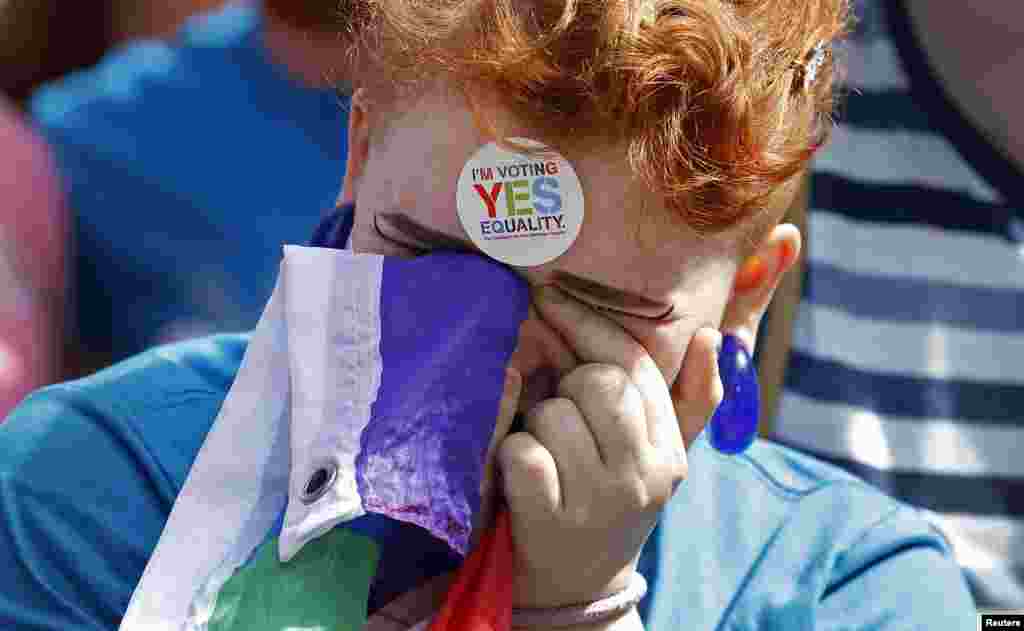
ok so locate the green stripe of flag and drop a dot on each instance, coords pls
(325, 587)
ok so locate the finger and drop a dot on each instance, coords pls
(529, 476)
(558, 425)
(506, 412)
(698, 390)
(554, 350)
(612, 408)
(597, 339)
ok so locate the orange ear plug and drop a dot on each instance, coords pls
(751, 273)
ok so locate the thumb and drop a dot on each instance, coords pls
(510, 394)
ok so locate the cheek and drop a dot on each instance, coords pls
(358, 238)
(365, 240)
(665, 343)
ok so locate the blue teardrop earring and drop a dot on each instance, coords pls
(734, 425)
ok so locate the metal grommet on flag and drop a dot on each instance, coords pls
(320, 481)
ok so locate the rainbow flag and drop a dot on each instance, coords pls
(370, 385)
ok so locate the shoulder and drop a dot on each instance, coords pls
(804, 502)
(156, 407)
(821, 508)
(778, 536)
(791, 474)
(89, 473)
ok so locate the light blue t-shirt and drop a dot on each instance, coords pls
(188, 163)
(768, 540)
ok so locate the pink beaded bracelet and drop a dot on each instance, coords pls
(617, 603)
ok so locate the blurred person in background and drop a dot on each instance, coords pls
(908, 351)
(32, 261)
(37, 43)
(40, 42)
(187, 164)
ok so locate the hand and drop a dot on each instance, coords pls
(586, 481)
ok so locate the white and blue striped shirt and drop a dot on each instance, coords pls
(908, 352)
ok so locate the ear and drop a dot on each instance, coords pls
(358, 146)
(756, 280)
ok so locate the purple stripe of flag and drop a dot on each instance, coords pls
(449, 324)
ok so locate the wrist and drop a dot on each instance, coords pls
(628, 620)
(542, 591)
(599, 614)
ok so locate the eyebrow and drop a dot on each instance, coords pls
(422, 237)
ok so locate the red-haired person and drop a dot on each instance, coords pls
(686, 124)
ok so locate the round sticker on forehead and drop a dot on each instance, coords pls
(521, 209)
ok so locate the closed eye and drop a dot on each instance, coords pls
(592, 303)
(418, 250)
(400, 228)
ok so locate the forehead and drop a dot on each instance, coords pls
(628, 238)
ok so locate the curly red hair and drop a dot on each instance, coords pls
(709, 96)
